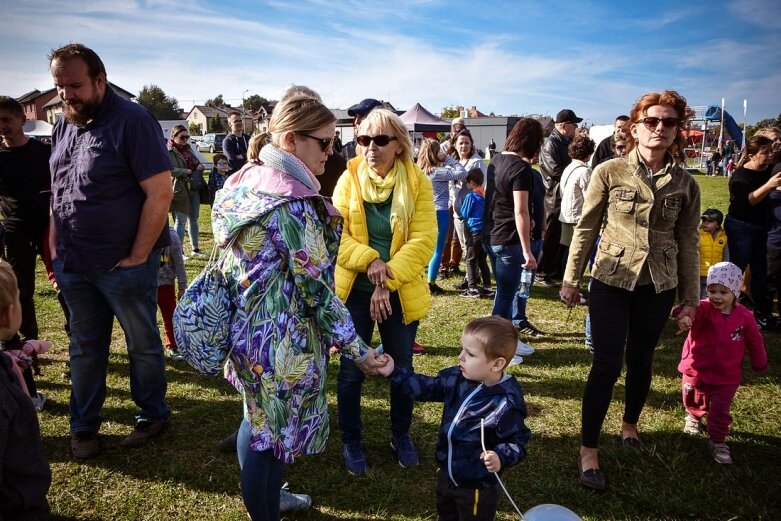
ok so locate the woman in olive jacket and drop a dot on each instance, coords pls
(648, 207)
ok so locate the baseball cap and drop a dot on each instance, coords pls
(363, 108)
(567, 116)
(712, 214)
(458, 121)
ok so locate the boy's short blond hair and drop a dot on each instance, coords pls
(8, 285)
(497, 336)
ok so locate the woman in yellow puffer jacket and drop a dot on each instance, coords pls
(387, 242)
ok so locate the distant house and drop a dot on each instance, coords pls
(201, 115)
(485, 128)
(53, 108)
(34, 101)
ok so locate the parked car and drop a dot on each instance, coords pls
(211, 143)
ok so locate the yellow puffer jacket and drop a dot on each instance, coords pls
(711, 250)
(409, 258)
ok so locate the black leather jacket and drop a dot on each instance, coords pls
(554, 158)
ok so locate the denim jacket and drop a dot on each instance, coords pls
(642, 221)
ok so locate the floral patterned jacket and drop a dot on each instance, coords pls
(283, 240)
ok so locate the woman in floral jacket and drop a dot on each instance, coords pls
(283, 238)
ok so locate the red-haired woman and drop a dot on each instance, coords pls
(650, 206)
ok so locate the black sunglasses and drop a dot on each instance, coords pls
(380, 140)
(325, 143)
(179, 136)
(651, 123)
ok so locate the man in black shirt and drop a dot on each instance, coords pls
(604, 150)
(25, 188)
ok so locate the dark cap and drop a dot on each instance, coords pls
(363, 108)
(567, 116)
(712, 214)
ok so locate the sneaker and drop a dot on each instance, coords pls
(470, 293)
(405, 450)
(198, 254)
(487, 291)
(523, 349)
(517, 360)
(289, 501)
(462, 285)
(418, 349)
(354, 458)
(530, 330)
(85, 444)
(173, 355)
(691, 425)
(545, 282)
(455, 270)
(38, 401)
(721, 453)
(144, 432)
(228, 445)
(434, 289)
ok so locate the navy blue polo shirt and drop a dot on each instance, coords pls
(96, 195)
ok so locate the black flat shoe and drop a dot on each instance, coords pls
(591, 478)
(632, 444)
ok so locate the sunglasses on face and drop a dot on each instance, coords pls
(325, 143)
(185, 137)
(620, 148)
(380, 140)
(651, 123)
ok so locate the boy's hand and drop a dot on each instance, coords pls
(491, 460)
(386, 369)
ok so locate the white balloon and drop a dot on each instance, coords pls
(548, 512)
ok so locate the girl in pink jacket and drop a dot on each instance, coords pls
(712, 357)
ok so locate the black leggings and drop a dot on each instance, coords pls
(622, 321)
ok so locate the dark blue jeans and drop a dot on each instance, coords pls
(519, 304)
(397, 339)
(261, 478)
(130, 295)
(748, 247)
(507, 261)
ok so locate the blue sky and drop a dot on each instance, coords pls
(514, 57)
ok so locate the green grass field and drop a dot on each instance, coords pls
(183, 476)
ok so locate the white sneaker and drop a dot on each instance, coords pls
(197, 254)
(524, 349)
(517, 360)
(38, 401)
(691, 425)
(721, 453)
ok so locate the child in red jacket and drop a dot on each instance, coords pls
(712, 356)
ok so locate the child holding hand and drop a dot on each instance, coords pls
(719, 336)
(476, 390)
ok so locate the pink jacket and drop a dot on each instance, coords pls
(714, 350)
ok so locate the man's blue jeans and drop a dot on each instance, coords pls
(507, 261)
(130, 294)
(397, 339)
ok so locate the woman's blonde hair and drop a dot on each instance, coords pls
(256, 143)
(768, 132)
(300, 114)
(176, 130)
(385, 118)
(428, 156)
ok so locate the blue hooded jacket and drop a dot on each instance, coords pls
(466, 403)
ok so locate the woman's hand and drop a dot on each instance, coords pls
(571, 296)
(377, 272)
(387, 369)
(684, 324)
(380, 306)
(372, 363)
(200, 168)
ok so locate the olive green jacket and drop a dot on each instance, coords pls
(641, 222)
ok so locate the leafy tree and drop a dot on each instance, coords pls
(451, 112)
(162, 107)
(254, 102)
(770, 122)
(215, 124)
(195, 129)
(216, 102)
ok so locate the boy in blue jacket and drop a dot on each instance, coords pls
(474, 390)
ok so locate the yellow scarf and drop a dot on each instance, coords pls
(375, 189)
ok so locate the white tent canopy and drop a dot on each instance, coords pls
(37, 128)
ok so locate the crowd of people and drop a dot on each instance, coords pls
(316, 248)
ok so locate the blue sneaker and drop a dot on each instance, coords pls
(405, 450)
(289, 501)
(355, 458)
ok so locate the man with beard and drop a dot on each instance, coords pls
(25, 187)
(111, 189)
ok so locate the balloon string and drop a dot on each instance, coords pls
(482, 442)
